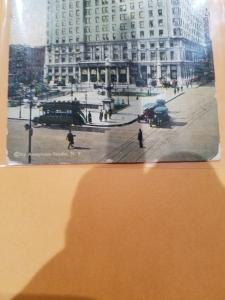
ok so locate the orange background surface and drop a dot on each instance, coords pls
(129, 232)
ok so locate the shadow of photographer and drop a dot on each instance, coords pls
(135, 234)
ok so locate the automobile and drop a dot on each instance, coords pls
(150, 105)
(160, 102)
(98, 86)
(155, 113)
(140, 83)
(160, 116)
(101, 92)
(54, 87)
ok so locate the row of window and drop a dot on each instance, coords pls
(113, 36)
(103, 2)
(97, 28)
(163, 55)
(89, 12)
(133, 46)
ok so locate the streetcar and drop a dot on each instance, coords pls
(61, 113)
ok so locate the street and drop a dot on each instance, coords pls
(193, 130)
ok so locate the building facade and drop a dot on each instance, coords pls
(26, 65)
(141, 40)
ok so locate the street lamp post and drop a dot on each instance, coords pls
(30, 132)
(22, 92)
(150, 89)
(28, 127)
(86, 103)
(71, 92)
(76, 81)
(128, 94)
(20, 111)
(108, 103)
(108, 78)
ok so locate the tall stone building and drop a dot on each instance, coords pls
(139, 40)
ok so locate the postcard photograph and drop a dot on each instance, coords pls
(111, 81)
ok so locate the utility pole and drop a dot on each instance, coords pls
(30, 132)
(86, 104)
(20, 112)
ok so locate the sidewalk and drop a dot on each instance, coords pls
(129, 114)
(124, 117)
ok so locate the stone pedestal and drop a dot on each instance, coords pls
(107, 104)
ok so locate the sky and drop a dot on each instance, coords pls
(28, 22)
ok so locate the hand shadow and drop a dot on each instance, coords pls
(135, 234)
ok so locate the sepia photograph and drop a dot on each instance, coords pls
(111, 81)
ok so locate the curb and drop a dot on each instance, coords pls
(114, 125)
(134, 120)
(18, 119)
(175, 97)
(109, 125)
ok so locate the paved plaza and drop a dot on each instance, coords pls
(194, 129)
(124, 116)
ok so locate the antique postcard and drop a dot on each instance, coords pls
(111, 81)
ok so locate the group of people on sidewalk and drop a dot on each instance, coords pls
(105, 114)
(178, 89)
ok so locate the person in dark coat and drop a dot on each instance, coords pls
(89, 117)
(70, 138)
(140, 138)
(110, 113)
(101, 116)
(105, 115)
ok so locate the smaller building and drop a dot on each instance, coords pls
(26, 65)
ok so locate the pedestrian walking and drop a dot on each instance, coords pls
(101, 116)
(140, 138)
(105, 116)
(137, 98)
(181, 88)
(70, 138)
(178, 89)
(175, 91)
(89, 117)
